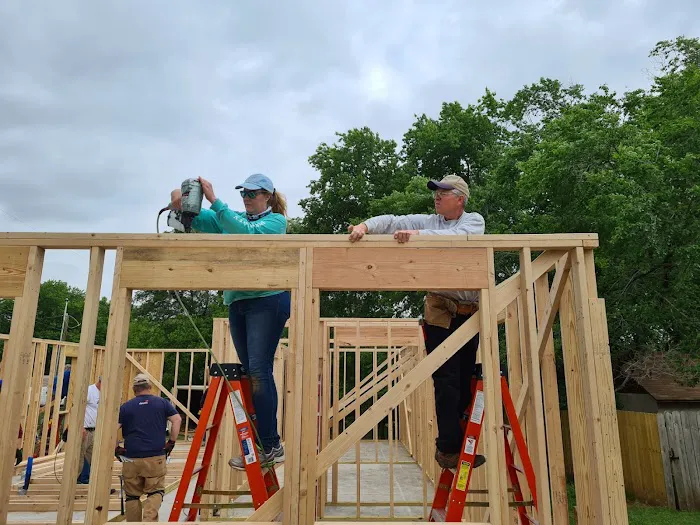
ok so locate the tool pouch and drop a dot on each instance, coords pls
(439, 310)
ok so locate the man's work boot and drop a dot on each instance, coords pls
(448, 460)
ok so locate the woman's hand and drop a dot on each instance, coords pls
(357, 232)
(208, 190)
(176, 199)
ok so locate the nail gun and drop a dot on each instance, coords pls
(181, 220)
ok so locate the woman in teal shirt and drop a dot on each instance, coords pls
(256, 318)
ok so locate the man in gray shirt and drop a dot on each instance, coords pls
(445, 311)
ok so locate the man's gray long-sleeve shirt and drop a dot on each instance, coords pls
(467, 223)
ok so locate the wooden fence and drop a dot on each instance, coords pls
(640, 449)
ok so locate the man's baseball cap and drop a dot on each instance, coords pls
(141, 380)
(451, 182)
(257, 181)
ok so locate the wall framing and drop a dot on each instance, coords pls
(308, 265)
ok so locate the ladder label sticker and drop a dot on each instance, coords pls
(470, 446)
(478, 410)
(463, 476)
(248, 451)
(238, 412)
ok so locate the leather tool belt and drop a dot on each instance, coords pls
(440, 310)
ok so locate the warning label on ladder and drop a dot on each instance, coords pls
(463, 475)
(478, 410)
(248, 452)
(470, 445)
(237, 403)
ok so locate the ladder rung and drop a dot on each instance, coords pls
(226, 492)
(532, 520)
(218, 505)
(519, 469)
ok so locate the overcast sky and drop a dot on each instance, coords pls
(107, 106)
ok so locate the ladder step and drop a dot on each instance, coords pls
(226, 492)
(519, 469)
(532, 520)
(218, 505)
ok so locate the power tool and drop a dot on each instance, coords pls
(192, 195)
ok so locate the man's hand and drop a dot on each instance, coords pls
(169, 446)
(357, 232)
(403, 235)
(84, 433)
(208, 190)
(119, 451)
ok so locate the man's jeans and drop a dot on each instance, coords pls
(452, 382)
(256, 327)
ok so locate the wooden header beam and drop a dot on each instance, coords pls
(73, 241)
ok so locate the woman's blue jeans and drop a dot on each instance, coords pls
(256, 327)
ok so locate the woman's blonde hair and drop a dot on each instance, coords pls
(278, 203)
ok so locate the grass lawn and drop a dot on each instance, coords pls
(643, 515)
(640, 514)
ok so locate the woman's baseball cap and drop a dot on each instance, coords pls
(257, 181)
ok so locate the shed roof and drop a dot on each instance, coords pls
(664, 388)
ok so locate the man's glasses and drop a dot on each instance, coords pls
(250, 194)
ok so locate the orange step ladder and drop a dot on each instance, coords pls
(230, 384)
(453, 485)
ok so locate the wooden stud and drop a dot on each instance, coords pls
(358, 473)
(324, 428)
(555, 446)
(590, 386)
(608, 415)
(17, 371)
(80, 376)
(308, 476)
(107, 415)
(293, 423)
(544, 510)
(492, 402)
(30, 428)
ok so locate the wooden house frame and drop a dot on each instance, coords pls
(309, 265)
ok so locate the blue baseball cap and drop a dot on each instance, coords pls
(257, 181)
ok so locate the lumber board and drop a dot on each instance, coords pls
(532, 351)
(17, 371)
(617, 502)
(72, 241)
(13, 268)
(206, 269)
(585, 477)
(401, 269)
(107, 415)
(493, 431)
(550, 391)
(590, 386)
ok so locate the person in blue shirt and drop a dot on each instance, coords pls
(256, 318)
(143, 420)
(64, 386)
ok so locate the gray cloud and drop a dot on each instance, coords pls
(105, 107)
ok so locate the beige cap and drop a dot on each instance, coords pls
(451, 182)
(141, 380)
